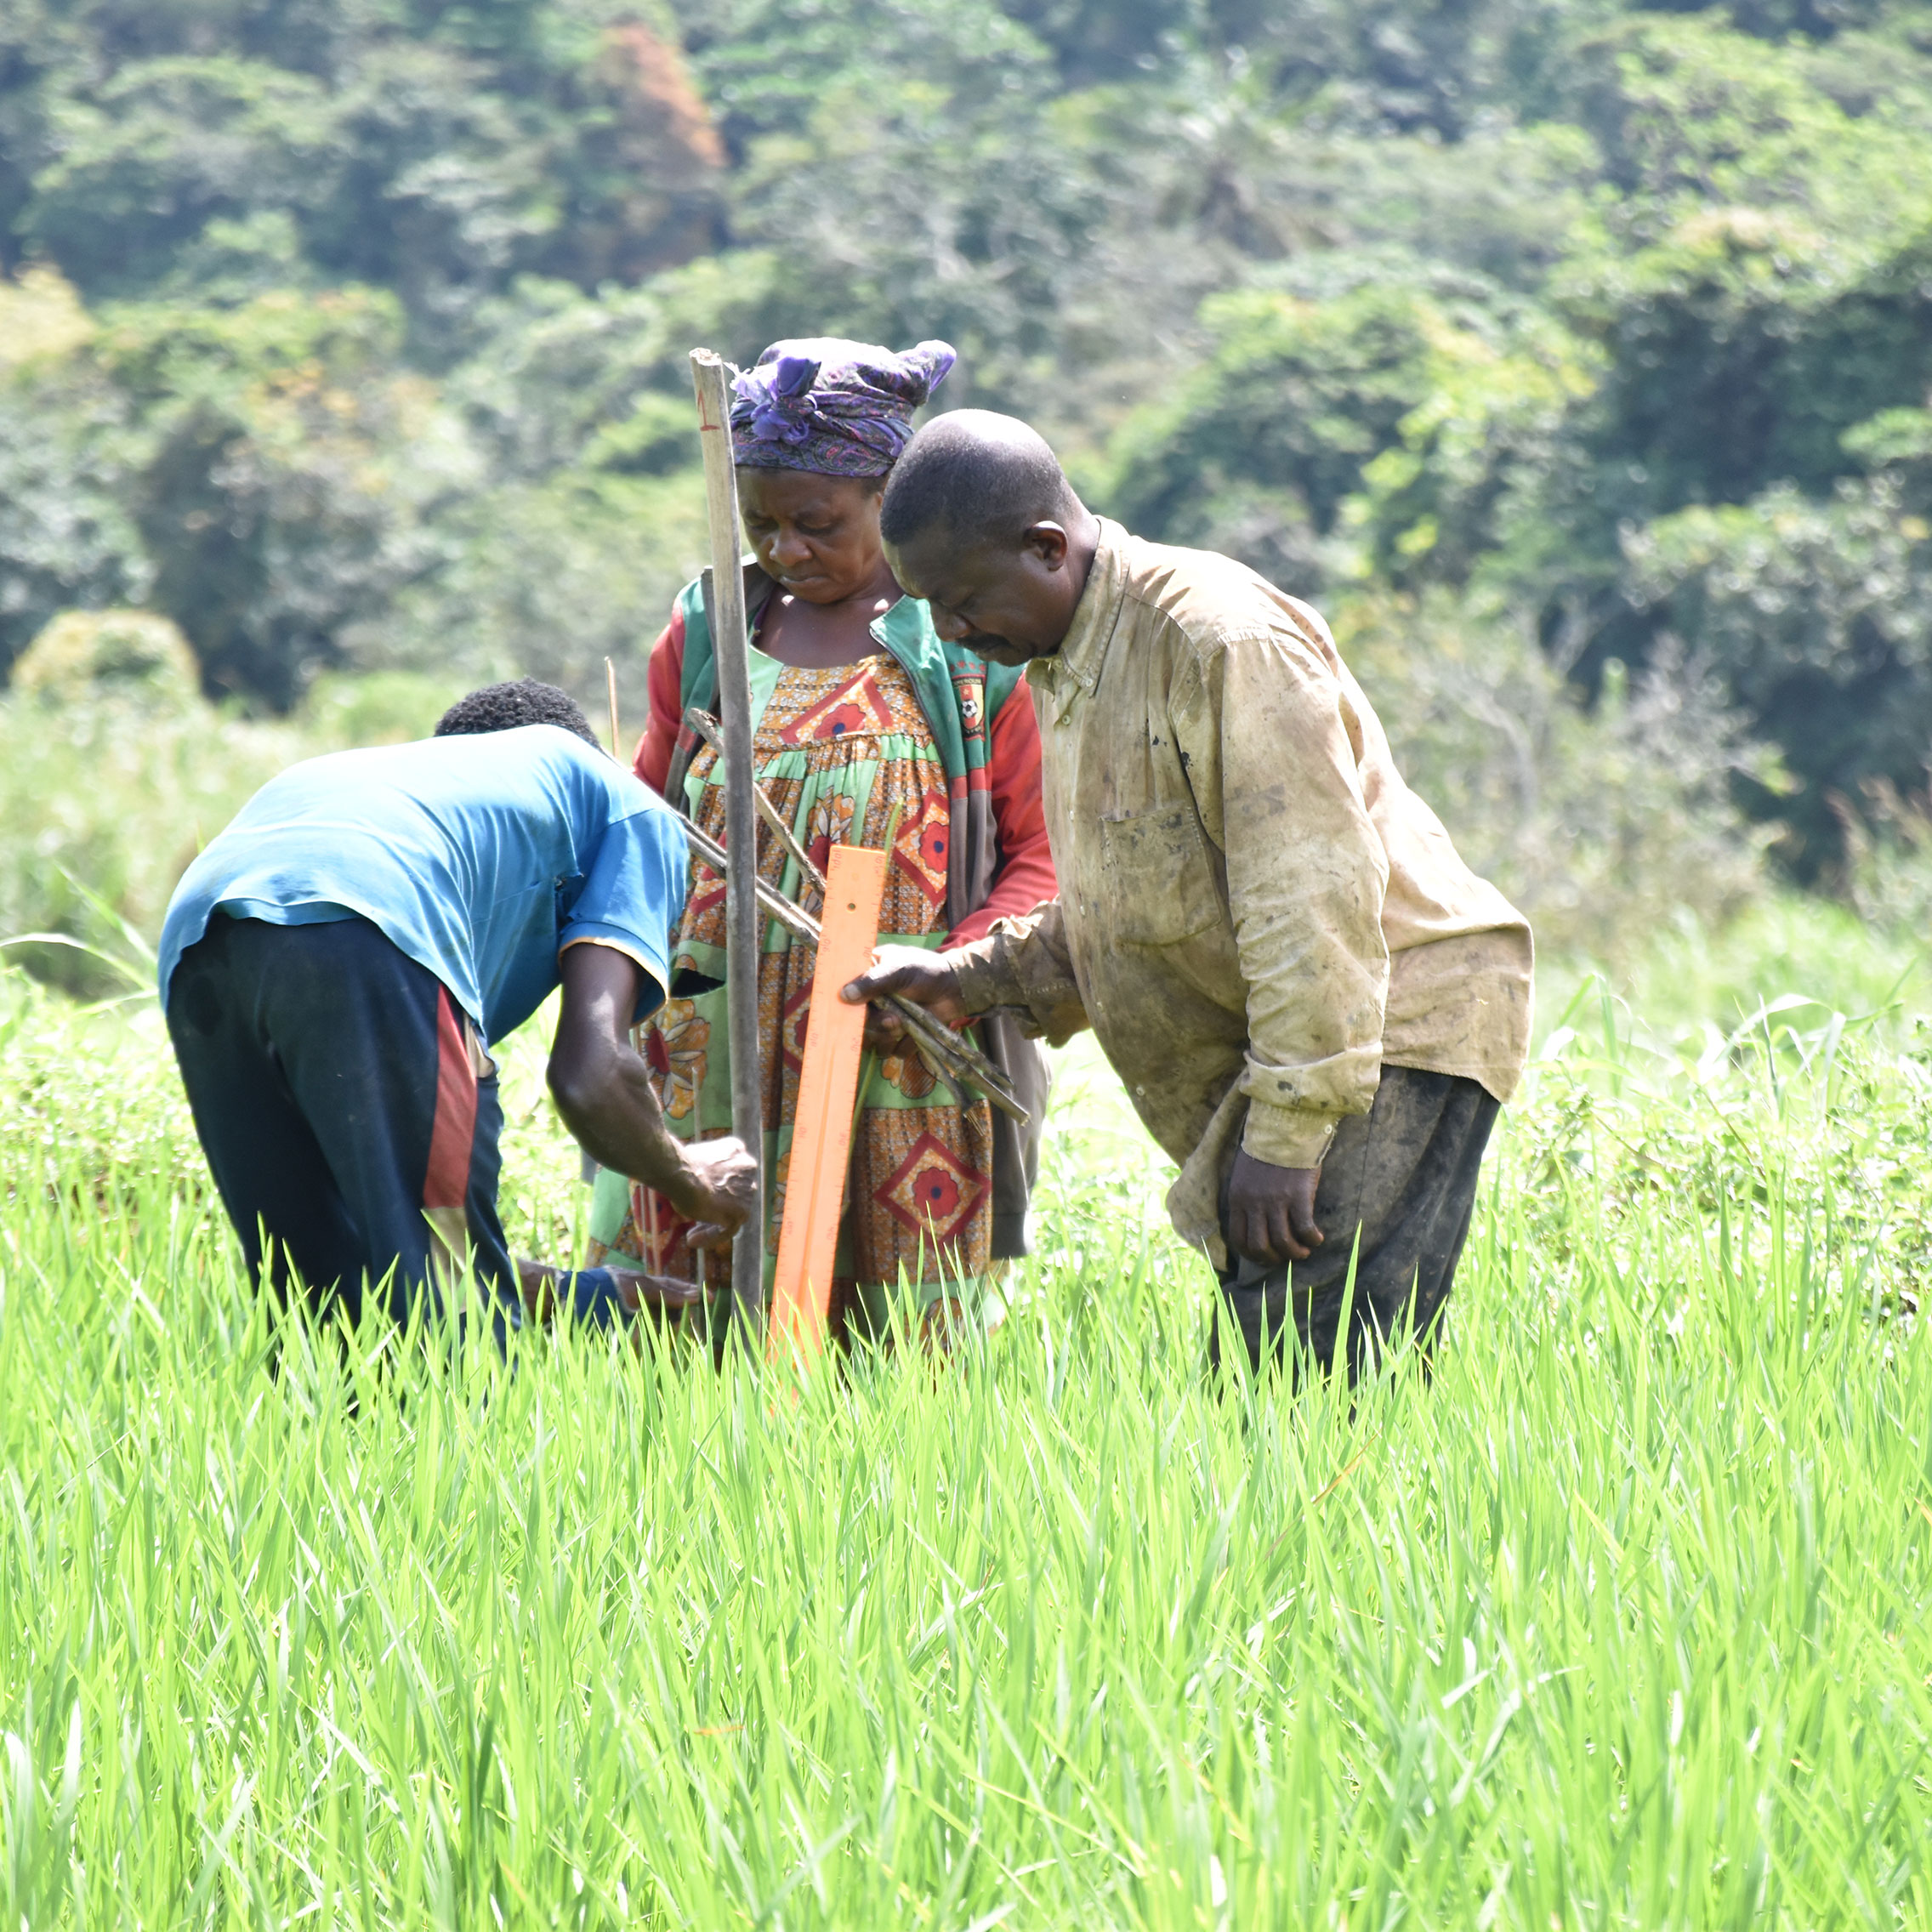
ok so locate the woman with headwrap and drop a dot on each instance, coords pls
(864, 721)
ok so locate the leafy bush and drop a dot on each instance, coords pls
(1605, 827)
(1820, 613)
(86, 654)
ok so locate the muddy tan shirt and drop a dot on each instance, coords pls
(1256, 913)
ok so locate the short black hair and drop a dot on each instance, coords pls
(982, 477)
(504, 707)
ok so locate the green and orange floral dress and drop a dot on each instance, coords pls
(836, 751)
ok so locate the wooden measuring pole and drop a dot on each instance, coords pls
(743, 929)
(828, 1085)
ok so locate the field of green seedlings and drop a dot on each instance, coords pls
(1623, 1621)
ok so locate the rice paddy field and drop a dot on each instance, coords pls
(1622, 1621)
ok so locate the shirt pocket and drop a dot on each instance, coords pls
(1158, 885)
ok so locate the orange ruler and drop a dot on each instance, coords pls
(828, 1087)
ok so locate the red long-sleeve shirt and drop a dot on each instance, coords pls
(1024, 879)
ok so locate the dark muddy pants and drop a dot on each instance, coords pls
(350, 1116)
(1403, 1178)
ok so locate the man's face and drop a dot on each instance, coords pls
(1007, 605)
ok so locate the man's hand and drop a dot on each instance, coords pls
(660, 1295)
(1271, 1210)
(604, 1092)
(719, 1192)
(913, 973)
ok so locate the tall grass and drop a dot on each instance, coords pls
(1622, 1622)
(106, 798)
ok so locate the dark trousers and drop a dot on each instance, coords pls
(346, 1114)
(1396, 1195)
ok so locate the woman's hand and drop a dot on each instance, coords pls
(544, 1290)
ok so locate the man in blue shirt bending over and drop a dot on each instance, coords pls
(337, 965)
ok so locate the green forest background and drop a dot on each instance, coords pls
(1575, 357)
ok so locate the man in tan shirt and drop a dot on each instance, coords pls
(1315, 1004)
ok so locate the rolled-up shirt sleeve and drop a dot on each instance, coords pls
(1024, 963)
(1265, 729)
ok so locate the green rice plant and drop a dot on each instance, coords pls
(1621, 1621)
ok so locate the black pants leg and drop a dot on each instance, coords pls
(1397, 1194)
(339, 1099)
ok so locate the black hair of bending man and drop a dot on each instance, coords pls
(980, 521)
(977, 478)
(508, 707)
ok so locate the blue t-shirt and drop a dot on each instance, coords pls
(481, 856)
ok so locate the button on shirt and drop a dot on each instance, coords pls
(1256, 913)
(481, 856)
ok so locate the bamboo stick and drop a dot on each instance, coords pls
(743, 929)
(706, 726)
(952, 1059)
(956, 1059)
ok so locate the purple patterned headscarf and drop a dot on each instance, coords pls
(836, 408)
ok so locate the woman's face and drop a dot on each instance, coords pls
(818, 536)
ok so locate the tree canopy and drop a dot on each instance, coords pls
(355, 330)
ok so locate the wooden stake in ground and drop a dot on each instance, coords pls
(828, 1085)
(744, 928)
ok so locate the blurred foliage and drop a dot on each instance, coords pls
(1592, 338)
(257, 472)
(86, 654)
(1604, 829)
(115, 771)
(1820, 611)
(1367, 434)
(210, 146)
